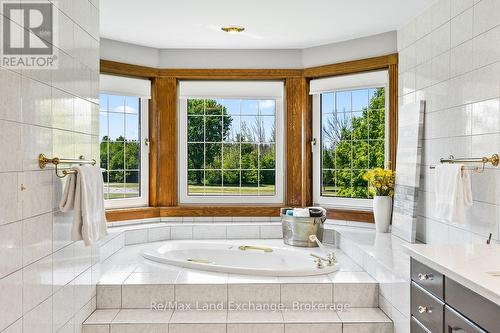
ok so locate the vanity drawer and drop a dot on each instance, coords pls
(417, 327)
(427, 309)
(456, 323)
(428, 278)
(476, 308)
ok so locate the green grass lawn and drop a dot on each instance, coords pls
(121, 190)
(229, 190)
(121, 185)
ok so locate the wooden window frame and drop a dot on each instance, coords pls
(163, 200)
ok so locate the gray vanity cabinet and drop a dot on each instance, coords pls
(441, 305)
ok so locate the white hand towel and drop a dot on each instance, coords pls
(453, 192)
(84, 193)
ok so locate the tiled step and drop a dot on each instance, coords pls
(144, 291)
(354, 320)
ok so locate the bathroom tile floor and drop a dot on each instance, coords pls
(228, 321)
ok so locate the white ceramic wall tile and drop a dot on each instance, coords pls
(486, 15)
(158, 234)
(17, 327)
(36, 140)
(136, 236)
(461, 59)
(486, 117)
(10, 136)
(271, 231)
(10, 205)
(209, 232)
(40, 318)
(239, 231)
(462, 110)
(11, 302)
(181, 232)
(10, 248)
(35, 118)
(37, 238)
(37, 283)
(61, 229)
(83, 288)
(83, 259)
(10, 105)
(37, 196)
(461, 27)
(63, 306)
(63, 266)
(458, 6)
(36, 103)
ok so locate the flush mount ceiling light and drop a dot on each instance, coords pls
(233, 29)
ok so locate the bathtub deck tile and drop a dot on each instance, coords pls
(102, 317)
(240, 294)
(202, 295)
(254, 316)
(189, 276)
(255, 322)
(363, 315)
(165, 277)
(300, 293)
(305, 279)
(199, 317)
(319, 321)
(312, 316)
(249, 279)
(351, 277)
(137, 296)
(129, 316)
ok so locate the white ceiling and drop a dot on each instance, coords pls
(270, 24)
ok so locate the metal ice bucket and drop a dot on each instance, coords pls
(296, 230)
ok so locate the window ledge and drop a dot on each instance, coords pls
(229, 211)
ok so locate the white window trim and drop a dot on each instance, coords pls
(142, 200)
(244, 93)
(338, 202)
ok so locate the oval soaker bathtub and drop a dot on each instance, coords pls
(239, 257)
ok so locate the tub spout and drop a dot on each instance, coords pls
(330, 256)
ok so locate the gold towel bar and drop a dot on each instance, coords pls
(44, 160)
(494, 160)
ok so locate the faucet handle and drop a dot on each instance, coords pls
(319, 263)
(332, 259)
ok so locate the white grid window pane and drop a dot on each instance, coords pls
(120, 152)
(231, 147)
(352, 140)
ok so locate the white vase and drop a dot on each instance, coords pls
(382, 211)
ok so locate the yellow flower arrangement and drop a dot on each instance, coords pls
(381, 181)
